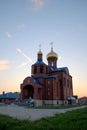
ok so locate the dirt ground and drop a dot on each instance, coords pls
(32, 114)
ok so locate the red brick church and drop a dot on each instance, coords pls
(48, 84)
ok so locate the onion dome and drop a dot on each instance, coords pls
(40, 52)
(52, 54)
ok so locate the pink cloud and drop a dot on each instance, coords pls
(4, 64)
(38, 4)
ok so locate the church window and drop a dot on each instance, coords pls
(41, 69)
(64, 82)
(57, 88)
(48, 82)
(46, 70)
(35, 69)
(60, 82)
(48, 87)
(52, 64)
(48, 93)
(39, 90)
(67, 83)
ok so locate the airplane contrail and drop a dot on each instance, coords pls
(23, 64)
(27, 57)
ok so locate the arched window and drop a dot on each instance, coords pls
(48, 82)
(52, 63)
(46, 69)
(57, 88)
(67, 83)
(35, 69)
(64, 81)
(41, 69)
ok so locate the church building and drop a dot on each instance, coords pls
(48, 84)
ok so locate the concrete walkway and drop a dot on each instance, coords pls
(32, 114)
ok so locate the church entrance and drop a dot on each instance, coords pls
(28, 91)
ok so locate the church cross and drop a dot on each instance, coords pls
(39, 47)
(51, 46)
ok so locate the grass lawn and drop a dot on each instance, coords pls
(74, 120)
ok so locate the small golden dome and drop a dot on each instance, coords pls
(40, 52)
(52, 54)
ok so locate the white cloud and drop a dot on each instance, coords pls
(8, 35)
(27, 57)
(4, 64)
(21, 26)
(38, 4)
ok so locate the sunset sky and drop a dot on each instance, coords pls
(24, 24)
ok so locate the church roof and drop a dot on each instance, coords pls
(36, 81)
(40, 77)
(65, 69)
(9, 95)
(39, 62)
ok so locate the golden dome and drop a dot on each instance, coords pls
(52, 54)
(40, 52)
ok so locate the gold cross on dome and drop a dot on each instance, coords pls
(39, 47)
(51, 46)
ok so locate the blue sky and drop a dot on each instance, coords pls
(24, 24)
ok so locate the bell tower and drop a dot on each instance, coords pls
(39, 68)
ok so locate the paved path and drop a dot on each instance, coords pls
(32, 114)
